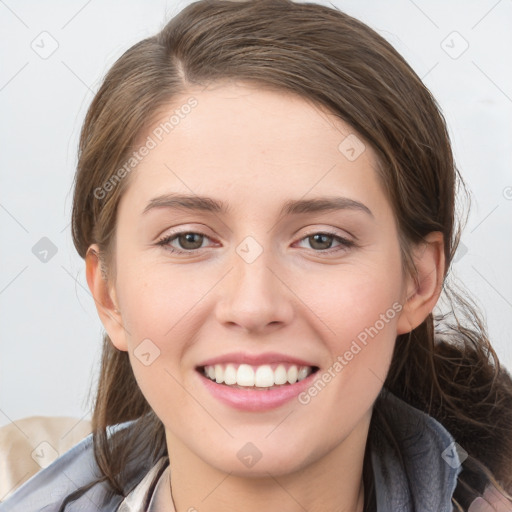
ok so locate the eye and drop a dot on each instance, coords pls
(322, 242)
(189, 241)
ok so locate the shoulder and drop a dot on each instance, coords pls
(46, 490)
(31, 443)
(414, 458)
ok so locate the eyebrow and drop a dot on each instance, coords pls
(291, 207)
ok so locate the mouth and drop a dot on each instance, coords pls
(263, 377)
(255, 382)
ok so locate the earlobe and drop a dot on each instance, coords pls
(424, 289)
(104, 298)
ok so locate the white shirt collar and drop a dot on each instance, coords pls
(161, 498)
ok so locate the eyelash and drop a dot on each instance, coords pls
(345, 242)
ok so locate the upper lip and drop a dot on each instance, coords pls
(255, 359)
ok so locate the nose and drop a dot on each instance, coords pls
(254, 296)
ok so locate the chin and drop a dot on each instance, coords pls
(258, 460)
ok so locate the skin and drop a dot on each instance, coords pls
(255, 149)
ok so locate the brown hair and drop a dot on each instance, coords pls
(335, 61)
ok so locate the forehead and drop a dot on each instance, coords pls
(252, 144)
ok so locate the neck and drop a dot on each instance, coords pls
(331, 483)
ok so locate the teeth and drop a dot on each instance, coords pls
(280, 375)
(230, 375)
(245, 375)
(302, 373)
(218, 373)
(264, 377)
(256, 376)
(292, 374)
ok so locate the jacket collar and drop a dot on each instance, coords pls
(419, 471)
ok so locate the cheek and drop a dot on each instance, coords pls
(160, 314)
(369, 309)
(156, 300)
(345, 389)
(360, 308)
(354, 299)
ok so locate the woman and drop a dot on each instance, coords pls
(265, 203)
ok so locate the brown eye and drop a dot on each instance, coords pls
(326, 243)
(183, 242)
(190, 241)
(321, 241)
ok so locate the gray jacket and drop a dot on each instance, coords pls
(422, 478)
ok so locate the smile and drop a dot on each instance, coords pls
(262, 377)
(255, 383)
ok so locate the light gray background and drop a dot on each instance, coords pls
(50, 331)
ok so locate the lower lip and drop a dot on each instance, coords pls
(256, 399)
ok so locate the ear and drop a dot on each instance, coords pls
(104, 298)
(424, 289)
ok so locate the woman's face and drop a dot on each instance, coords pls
(269, 285)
